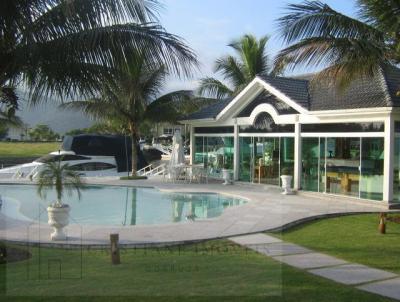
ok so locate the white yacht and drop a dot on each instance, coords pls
(90, 155)
(88, 166)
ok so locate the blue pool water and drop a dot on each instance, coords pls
(110, 205)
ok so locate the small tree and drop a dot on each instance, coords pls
(60, 177)
(43, 133)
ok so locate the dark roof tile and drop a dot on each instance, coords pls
(210, 111)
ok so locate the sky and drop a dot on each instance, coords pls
(209, 25)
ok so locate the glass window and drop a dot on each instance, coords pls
(93, 166)
(211, 130)
(199, 150)
(343, 127)
(342, 165)
(245, 158)
(263, 158)
(310, 164)
(266, 160)
(216, 153)
(371, 183)
(396, 170)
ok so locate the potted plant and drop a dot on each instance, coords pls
(226, 174)
(286, 181)
(62, 178)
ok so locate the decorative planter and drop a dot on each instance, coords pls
(227, 176)
(58, 219)
(286, 184)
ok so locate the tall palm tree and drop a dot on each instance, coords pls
(132, 97)
(250, 60)
(66, 48)
(349, 47)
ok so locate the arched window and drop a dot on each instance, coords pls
(264, 121)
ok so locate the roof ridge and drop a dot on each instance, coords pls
(384, 82)
(279, 77)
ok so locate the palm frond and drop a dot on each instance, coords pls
(60, 177)
(357, 57)
(253, 55)
(317, 19)
(214, 88)
(51, 42)
(169, 107)
(231, 69)
(63, 17)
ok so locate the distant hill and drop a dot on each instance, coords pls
(49, 114)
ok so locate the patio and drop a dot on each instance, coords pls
(267, 209)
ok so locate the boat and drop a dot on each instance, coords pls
(90, 155)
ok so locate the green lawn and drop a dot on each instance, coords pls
(22, 149)
(212, 271)
(354, 238)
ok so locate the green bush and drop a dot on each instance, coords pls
(132, 177)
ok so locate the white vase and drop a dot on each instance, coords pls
(226, 175)
(286, 184)
(58, 219)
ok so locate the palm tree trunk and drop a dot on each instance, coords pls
(134, 148)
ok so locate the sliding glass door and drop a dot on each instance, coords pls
(263, 158)
(351, 166)
(342, 165)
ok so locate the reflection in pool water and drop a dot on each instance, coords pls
(110, 205)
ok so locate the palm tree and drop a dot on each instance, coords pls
(60, 177)
(133, 97)
(66, 48)
(349, 47)
(250, 60)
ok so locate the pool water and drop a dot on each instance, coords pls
(112, 205)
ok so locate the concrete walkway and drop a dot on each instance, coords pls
(362, 277)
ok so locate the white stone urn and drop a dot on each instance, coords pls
(58, 219)
(227, 176)
(286, 184)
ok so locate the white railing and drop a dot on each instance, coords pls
(142, 171)
(150, 171)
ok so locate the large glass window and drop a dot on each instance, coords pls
(343, 165)
(199, 150)
(246, 157)
(310, 164)
(262, 159)
(371, 183)
(287, 156)
(266, 160)
(216, 153)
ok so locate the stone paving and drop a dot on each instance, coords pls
(266, 209)
(365, 278)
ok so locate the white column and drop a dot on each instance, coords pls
(297, 156)
(388, 160)
(192, 138)
(236, 152)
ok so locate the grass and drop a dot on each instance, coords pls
(25, 149)
(132, 177)
(354, 238)
(211, 271)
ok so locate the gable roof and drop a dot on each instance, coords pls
(210, 111)
(381, 90)
(295, 89)
(377, 91)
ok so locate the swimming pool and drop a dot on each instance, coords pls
(112, 205)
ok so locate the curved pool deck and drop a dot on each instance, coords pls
(266, 210)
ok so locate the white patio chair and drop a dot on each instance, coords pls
(195, 173)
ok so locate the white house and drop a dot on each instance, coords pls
(332, 141)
